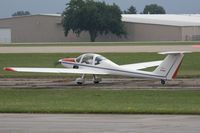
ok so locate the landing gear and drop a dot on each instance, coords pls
(96, 80)
(162, 82)
(81, 80)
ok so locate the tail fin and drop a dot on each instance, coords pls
(171, 64)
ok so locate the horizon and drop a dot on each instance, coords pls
(53, 7)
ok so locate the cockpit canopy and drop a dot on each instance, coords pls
(92, 59)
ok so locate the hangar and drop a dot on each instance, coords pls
(168, 27)
(47, 28)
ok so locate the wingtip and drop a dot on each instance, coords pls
(8, 69)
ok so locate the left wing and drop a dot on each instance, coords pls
(142, 65)
(54, 70)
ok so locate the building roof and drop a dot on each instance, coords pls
(53, 15)
(56, 15)
(165, 19)
(158, 19)
(161, 19)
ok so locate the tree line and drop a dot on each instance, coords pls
(149, 9)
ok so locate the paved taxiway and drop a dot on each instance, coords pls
(82, 123)
(98, 49)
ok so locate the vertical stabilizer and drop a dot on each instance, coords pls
(171, 64)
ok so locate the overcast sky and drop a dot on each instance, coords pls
(8, 7)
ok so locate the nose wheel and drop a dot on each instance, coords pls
(162, 82)
(81, 80)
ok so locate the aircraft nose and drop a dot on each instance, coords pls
(68, 60)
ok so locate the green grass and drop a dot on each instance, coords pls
(100, 101)
(189, 68)
(102, 44)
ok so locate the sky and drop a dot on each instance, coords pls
(8, 7)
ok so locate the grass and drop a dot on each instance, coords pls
(101, 44)
(96, 101)
(189, 68)
(100, 101)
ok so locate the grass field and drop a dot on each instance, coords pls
(102, 44)
(100, 101)
(189, 68)
(96, 101)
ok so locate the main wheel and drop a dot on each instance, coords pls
(96, 80)
(162, 82)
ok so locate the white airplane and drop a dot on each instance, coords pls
(96, 64)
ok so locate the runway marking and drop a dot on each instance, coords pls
(196, 46)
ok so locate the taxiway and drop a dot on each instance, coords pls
(83, 123)
(98, 49)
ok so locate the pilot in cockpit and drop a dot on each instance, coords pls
(87, 59)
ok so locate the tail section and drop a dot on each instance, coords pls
(171, 64)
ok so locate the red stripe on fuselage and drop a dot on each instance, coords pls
(9, 69)
(174, 76)
(69, 60)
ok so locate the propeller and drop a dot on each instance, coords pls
(56, 63)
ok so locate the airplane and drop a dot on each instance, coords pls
(96, 64)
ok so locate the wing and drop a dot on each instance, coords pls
(142, 65)
(54, 70)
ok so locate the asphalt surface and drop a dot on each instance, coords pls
(107, 83)
(98, 49)
(82, 123)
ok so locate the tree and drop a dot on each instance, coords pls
(131, 10)
(154, 9)
(21, 13)
(94, 17)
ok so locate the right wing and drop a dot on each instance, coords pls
(143, 65)
(54, 70)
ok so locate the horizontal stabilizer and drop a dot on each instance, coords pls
(175, 52)
(143, 65)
